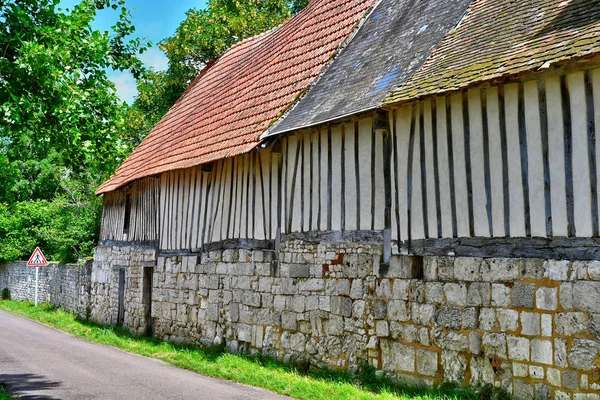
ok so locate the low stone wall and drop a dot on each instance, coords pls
(66, 286)
(530, 326)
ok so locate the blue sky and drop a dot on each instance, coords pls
(154, 20)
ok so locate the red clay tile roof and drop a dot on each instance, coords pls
(498, 38)
(225, 110)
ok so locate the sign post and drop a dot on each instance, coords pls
(37, 260)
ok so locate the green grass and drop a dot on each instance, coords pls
(4, 395)
(252, 370)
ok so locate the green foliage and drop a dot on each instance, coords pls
(5, 294)
(65, 228)
(56, 99)
(204, 35)
(61, 122)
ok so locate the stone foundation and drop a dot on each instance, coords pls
(108, 261)
(65, 286)
(530, 326)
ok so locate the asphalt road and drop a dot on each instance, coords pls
(38, 362)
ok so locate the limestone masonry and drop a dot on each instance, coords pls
(530, 326)
(65, 286)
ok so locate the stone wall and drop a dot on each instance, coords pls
(531, 326)
(108, 261)
(65, 286)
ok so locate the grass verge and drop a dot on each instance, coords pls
(252, 370)
(4, 395)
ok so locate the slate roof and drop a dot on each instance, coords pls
(498, 38)
(390, 46)
(234, 101)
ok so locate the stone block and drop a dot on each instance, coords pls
(531, 323)
(382, 329)
(487, 319)
(450, 341)
(416, 291)
(450, 317)
(546, 325)
(358, 309)
(456, 294)
(445, 268)
(500, 295)
(586, 296)
(520, 370)
(474, 342)
(289, 321)
(423, 314)
(427, 362)
(566, 295)
(430, 271)
(570, 380)
(405, 267)
(400, 289)
(536, 372)
(398, 310)
(541, 351)
(467, 269)
(312, 285)
(523, 295)
(434, 292)
(593, 269)
(335, 325)
(396, 356)
(508, 319)
(244, 332)
(494, 344)
(478, 294)
(558, 395)
(546, 298)
(571, 323)
(553, 377)
(532, 268)
(595, 325)
(299, 271)
(500, 270)
(557, 270)
(295, 304)
(470, 318)
(357, 289)
(542, 391)
(482, 372)
(583, 354)
(522, 390)
(586, 396)
(454, 366)
(383, 288)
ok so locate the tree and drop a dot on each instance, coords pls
(56, 101)
(61, 121)
(202, 36)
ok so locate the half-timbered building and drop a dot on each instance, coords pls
(412, 185)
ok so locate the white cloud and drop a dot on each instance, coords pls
(125, 85)
(155, 59)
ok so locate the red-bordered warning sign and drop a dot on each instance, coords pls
(37, 259)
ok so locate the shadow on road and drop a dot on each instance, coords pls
(25, 386)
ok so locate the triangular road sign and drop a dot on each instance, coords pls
(37, 259)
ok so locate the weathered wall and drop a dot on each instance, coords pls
(142, 218)
(514, 160)
(65, 286)
(528, 325)
(104, 298)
